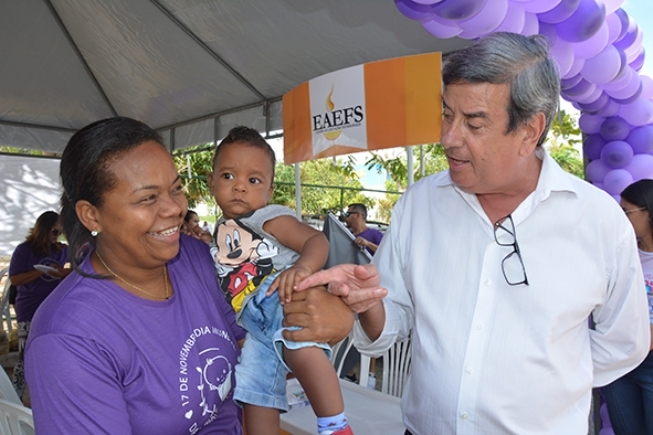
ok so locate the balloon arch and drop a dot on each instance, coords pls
(599, 52)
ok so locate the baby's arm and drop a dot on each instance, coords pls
(311, 244)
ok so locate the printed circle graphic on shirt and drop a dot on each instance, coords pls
(206, 376)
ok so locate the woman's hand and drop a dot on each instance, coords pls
(324, 318)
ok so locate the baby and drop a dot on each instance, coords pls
(260, 249)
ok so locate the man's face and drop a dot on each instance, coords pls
(350, 217)
(482, 157)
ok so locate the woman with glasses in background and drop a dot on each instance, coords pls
(630, 398)
(36, 268)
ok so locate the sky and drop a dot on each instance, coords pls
(641, 12)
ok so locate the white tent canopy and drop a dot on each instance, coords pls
(190, 68)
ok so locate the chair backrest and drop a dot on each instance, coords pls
(396, 368)
(4, 302)
(15, 419)
(339, 353)
(7, 391)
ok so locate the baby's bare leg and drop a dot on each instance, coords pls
(260, 420)
(318, 378)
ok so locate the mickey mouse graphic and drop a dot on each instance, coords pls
(243, 258)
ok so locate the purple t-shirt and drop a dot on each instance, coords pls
(101, 360)
(32, 294)
(371, 235)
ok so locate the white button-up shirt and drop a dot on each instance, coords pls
(491, 358)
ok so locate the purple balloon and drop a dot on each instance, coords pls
(617, 154)
(564, 10)
(487, 19)
(616, 181)
(609, 110)
(630, 99)
(622, 80)
(592, 146)
(413, 10)
(562, 52)
(615, 128)
(638, 62)
(641, 139)
(603, 67)
(590, 123)
(590, 97)
(583, 23)
(594, 45)
(515, 19)
(637, 113)
(614, 27)
(629, 37)
(582, 87)
(539, 6)
(531, 25)
(633, 51)
(575, 68)
(647, 87)
(625, 23)
(458, 9)
(441, 28)
(641, 167)
(570, 82)
(594, 107)
(596, 171)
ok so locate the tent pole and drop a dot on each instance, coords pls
(409, 161)
(298, 193)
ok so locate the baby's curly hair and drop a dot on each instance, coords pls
(248, 136)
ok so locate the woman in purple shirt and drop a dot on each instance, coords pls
(36, 268)
(139, 339)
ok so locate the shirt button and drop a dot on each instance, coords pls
(464, 416)
(488, 282)
(470, 370)
(479, 326)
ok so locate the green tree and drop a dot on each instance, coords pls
(323, 172)
(200, 162)
(563, 139)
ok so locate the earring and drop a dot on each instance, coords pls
(94, 233)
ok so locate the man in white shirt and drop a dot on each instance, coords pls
(495, 266)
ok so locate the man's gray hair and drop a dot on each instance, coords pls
(521, 62)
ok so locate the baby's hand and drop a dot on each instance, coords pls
(287, 280)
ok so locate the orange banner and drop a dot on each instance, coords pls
(384, 104)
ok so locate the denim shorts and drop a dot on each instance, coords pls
(261, 373)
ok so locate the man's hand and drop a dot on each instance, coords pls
(357, 285)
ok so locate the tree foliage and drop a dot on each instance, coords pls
(194, 181)
(333, 180)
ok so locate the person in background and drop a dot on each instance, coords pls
(494, 266)
(36, 268)
(206, 227)
(356, 221)
(192, 227)
(261, 252)
(630, 398)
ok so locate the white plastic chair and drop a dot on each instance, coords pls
(15, 419)
(339, 353)
(4, 302)
(396, 368)
(7, 391)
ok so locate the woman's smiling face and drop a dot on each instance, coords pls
(140, 217)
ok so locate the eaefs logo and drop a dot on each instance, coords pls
(333, 121)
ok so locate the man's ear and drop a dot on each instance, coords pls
(88, 215)
(532, 131)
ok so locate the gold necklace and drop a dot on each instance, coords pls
(165, 279)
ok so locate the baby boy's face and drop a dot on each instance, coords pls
(241, 181)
